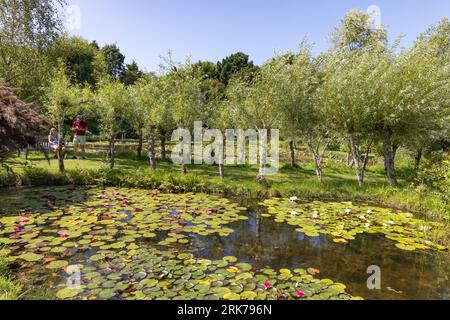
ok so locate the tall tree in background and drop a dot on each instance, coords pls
(28, 28)
(114, 60)
(83, 60)
(233, 64)
(131, 74)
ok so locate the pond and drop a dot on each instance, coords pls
(140, 244)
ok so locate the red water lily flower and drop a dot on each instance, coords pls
(17, 229)
(266, 285)
(299, 294)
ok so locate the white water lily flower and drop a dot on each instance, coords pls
(347, 211)
(391, 222)
(362, 218)
(293, 199)
(367, 225)
(369, 211)
(293, 213)
(385, 225)
(314, 216)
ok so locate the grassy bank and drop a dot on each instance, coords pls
(339, 182)
(9, 290)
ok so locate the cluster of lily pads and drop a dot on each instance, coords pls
(344, 221)
(109, 219)
(153, 274)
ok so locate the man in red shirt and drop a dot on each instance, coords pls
(79, 128)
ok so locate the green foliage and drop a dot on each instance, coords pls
(84, 62)
(62, 96)
(356, 31)
(232, 65)
(24, 47)
(434, 176)
(114, 60)
(131, 74)
(112, 102)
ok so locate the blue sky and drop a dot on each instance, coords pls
(212, 29)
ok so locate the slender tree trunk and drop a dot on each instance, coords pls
(163, 146)
(365, 161)
(350, 161)
(60, 146)
(262, 162)
(316, 156)
(112, 145)
(418, 158)
(222, 161)
(356, 159)
(151, 149)
(292, 149)
(317, 165)
(389, 157)
(139, 148)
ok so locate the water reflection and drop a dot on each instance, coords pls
(265, 243)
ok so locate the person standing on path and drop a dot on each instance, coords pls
(79, 128)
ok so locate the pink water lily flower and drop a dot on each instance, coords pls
(17, 229)
(209, 213)
(299, 294)
(116, 193)
(24, 220)
(266, 285)
(106, 205)
(63, 234)
(125, 201)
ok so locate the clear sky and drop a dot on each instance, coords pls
(212, 29)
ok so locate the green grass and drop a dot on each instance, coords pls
(339, 183)
(9, 290)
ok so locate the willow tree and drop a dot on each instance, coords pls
(432, 48)
(149, 100)
(137, 113)
(414, 99)
(257, 105)
(348, 98)
(62, 101)
(112, 103)
(297, 83)
(184, 93)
